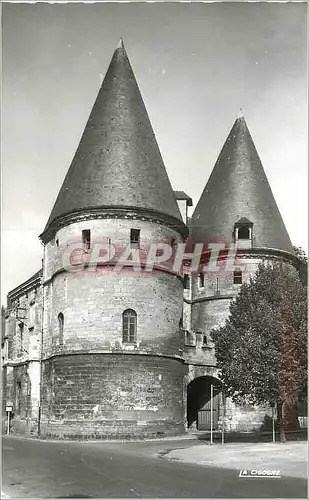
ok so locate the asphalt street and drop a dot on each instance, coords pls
(58, 469)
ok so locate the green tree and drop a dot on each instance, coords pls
(262, 349)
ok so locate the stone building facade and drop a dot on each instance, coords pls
(101, 352)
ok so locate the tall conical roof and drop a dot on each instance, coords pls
(118, 162)
(238, 187)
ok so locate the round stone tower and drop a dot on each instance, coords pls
(112, 358)
(237, 210)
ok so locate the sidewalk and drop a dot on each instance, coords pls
(290, 458)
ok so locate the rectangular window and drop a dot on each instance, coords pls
(190, 338)
(135, 237)
(201, 280)
(86, 238)
(237, 277)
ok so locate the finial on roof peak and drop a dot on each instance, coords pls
(241, 113)
(120, 44)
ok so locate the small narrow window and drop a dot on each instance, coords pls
(129, 324)
(86, 238)
(57, 243)
(135, 237)
(201, 280)
(237, 277)
(60, 326)
(186, 282)
(204, 340)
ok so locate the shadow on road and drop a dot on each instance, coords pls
(247, 437)
(76, 496)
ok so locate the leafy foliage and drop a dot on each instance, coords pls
(262, 349)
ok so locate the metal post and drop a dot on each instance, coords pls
(273, 424)
(8, 429)
(211, 411)
(223, 417)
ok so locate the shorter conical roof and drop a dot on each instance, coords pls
(237, 188)
(118, 162)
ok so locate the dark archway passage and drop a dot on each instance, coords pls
(198, 401)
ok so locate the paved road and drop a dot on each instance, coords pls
(42, 469)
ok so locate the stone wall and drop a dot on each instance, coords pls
(104, 231)
(207, 307)
(112, 396)
(242, 418)
(94, 383)
(93, 302)
(93, 306)
(21, 360)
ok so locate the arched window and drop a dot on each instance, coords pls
(60, 325)
(243, 233)
(129, 323)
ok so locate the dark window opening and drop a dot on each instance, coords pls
(201, 280)
(21, 339)
(186, 282)
(129, 324)
(57, 243)
(86, 238)
(189, 338)
(135, 236)
(243, 233)
(204, 339)
(181, 322)
(237, 277)
(60, 325)
(18, 396)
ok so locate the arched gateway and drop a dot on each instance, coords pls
(204, 398)
(204, 403)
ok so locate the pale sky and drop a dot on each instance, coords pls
(196, 65)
